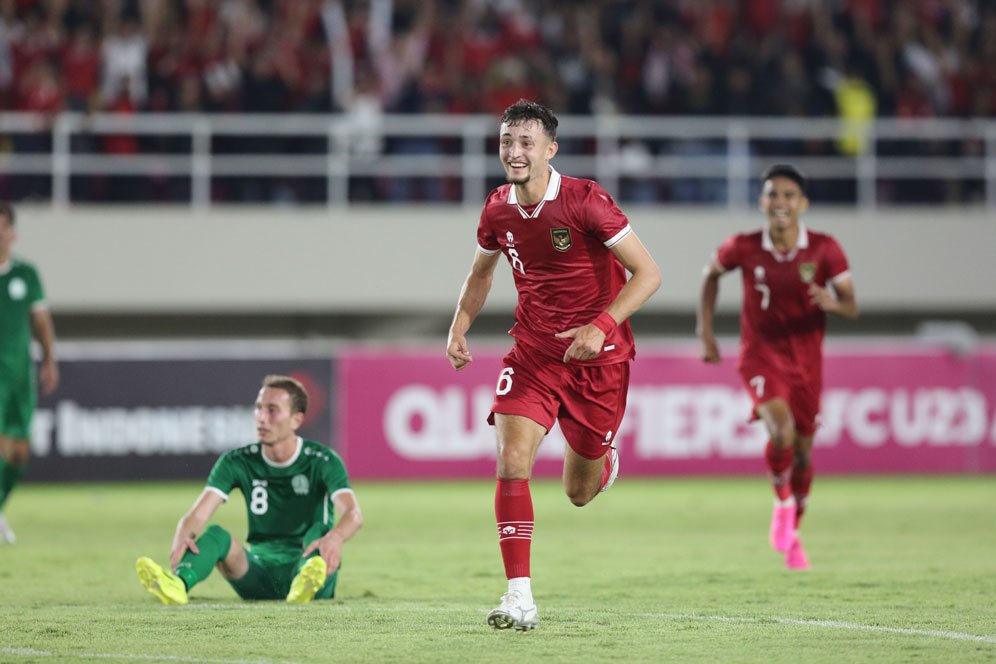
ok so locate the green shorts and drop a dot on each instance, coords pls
(271, 570)
(17, 405)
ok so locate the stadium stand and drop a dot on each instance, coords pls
(853, 61)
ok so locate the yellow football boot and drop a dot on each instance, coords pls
(308, 581)
(168, 587)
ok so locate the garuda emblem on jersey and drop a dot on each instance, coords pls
(300, 485)
(807, 272)
(561, 238)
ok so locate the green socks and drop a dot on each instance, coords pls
(9, 477)
(214, 545)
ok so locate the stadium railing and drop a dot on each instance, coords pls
(630, 156)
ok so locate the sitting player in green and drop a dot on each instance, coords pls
(290, 486)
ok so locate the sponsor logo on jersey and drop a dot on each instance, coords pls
(300, 485)
(561, 238)
(17, 288)
(608, 438)
(807, 272)
(759, 273)
(510, 238)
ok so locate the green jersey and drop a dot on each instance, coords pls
(283, 500)
(20, 293)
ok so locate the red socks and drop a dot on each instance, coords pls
(514, 514)
(780, 464)
(802, 480)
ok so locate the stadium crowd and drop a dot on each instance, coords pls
(816, 58)
(693, 57)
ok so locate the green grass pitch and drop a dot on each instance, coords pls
(677, 570)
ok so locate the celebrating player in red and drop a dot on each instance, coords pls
(786, 269)
(569, 247)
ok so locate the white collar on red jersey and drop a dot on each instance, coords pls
(801, 242)
(552, 189)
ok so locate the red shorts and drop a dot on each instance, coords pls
(803, 397)
(588, 401)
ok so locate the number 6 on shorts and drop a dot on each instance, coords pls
(505, 381)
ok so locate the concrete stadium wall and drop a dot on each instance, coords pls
(375, 259)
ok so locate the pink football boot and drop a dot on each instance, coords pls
(795, 557)
(782, 526)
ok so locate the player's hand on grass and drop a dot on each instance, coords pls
(457, 352)
(710, 350)
(587, 343)
(329, 548)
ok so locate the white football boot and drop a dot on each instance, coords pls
(515, 612)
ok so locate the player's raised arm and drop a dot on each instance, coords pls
(472, 297)
(191, 525)
(706, 311)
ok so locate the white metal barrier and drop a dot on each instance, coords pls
(609, 148)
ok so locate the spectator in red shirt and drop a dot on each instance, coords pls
(81, 69)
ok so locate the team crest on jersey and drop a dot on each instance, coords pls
(300, 485)
(561, 238)
(807, 272)
(17, 288)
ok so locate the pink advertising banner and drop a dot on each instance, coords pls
(886, 408)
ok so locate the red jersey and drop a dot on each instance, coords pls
(564, 270)
(779, 325)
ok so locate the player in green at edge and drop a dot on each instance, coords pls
(288, 484)
(23, 314)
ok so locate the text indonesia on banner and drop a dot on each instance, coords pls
(886, 408)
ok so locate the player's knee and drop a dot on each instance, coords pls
(579, 496)
(784, 435)
(215, 531)
(221, 537)
(513, 464)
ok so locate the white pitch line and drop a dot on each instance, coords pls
(829, 624)
(832, 624)
(145, 658)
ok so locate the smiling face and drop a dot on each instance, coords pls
(525, 151)
(275, 420)
(782, 201)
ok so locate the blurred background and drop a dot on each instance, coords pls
(218, 189)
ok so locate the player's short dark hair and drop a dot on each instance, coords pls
(7, 210)
(785, 171)
(298, 395)
(525, 110)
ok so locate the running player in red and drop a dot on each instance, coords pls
(792, 277)
(569, 247)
